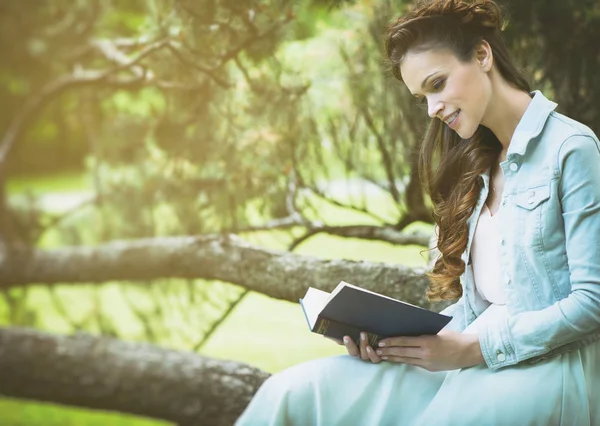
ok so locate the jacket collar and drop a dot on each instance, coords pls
(531, 123)
(529, 127)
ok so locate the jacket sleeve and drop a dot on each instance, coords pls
(532, 333)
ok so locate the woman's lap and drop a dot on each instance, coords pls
(341, 390)
(552, 392)
(348, 391)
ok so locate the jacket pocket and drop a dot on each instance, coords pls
(533, 197)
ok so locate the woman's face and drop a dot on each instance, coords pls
(456, 92)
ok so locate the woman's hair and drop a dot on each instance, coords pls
(448, 165)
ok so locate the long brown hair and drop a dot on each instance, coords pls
(450, 166)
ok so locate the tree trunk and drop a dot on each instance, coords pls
(138, 378)
(281, 275)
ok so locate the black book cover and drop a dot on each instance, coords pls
(348, 310)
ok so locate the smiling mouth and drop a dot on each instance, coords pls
(451, 119)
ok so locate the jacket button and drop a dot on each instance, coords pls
(514, 167)
(500, 356)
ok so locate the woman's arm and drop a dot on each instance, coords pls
(534, 333)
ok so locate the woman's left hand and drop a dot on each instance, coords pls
(448, 350)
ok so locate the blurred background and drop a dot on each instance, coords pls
(268, 129)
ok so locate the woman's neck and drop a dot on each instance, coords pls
(505, 111)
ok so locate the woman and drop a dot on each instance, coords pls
(516, 194)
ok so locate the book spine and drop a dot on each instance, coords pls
(338, 330)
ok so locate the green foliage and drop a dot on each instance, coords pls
(556, 41)
(207, 154)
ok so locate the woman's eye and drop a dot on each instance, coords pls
(438, 84)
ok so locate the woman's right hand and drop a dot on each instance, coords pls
(363, 350)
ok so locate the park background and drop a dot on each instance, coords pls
(174, 174)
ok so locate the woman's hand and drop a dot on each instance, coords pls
(363, 350)
(448, 350)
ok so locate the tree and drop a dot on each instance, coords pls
(556, 41)
(161, 137)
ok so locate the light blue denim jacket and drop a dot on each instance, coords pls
(549, 222)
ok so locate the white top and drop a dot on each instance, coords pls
(485, 261)
(486, 258)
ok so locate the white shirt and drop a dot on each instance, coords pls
(486, 259)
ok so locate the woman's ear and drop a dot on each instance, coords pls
(485, 56)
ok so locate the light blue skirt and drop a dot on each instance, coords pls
(343, 390)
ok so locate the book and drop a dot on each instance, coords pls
(349, 309)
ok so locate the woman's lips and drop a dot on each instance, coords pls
(453, 121)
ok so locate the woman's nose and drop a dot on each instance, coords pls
(433, 107)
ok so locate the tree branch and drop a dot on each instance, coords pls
(56, 87)
(350, 206)
(366, 232)
(212, 73)
(138, 378)
(281, 275)
(385, 155)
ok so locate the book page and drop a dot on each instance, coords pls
(337, 289)
(313, 303)
(345, 284)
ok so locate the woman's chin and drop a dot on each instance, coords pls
(465, 133)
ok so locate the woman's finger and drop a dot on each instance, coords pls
(403, 360)
(408, 352)
(404, 341)
(351, 346)
(373, 355)
(363, 346)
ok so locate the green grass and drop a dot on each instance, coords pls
(269, 334)
(273, 334)
(28, 413)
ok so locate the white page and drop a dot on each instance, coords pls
(314, 301)
(345, 284)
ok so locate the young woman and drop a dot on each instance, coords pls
(516, 193)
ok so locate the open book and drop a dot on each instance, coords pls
(349, 309)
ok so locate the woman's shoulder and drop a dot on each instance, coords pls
(548, 129)
(565, 138)
(562, 127)
(558, 138)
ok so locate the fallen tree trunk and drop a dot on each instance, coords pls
(282, 275)
(137, 378)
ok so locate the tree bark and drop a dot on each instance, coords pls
(281, 275)
(137, 378)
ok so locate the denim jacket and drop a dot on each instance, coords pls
(549, 221)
